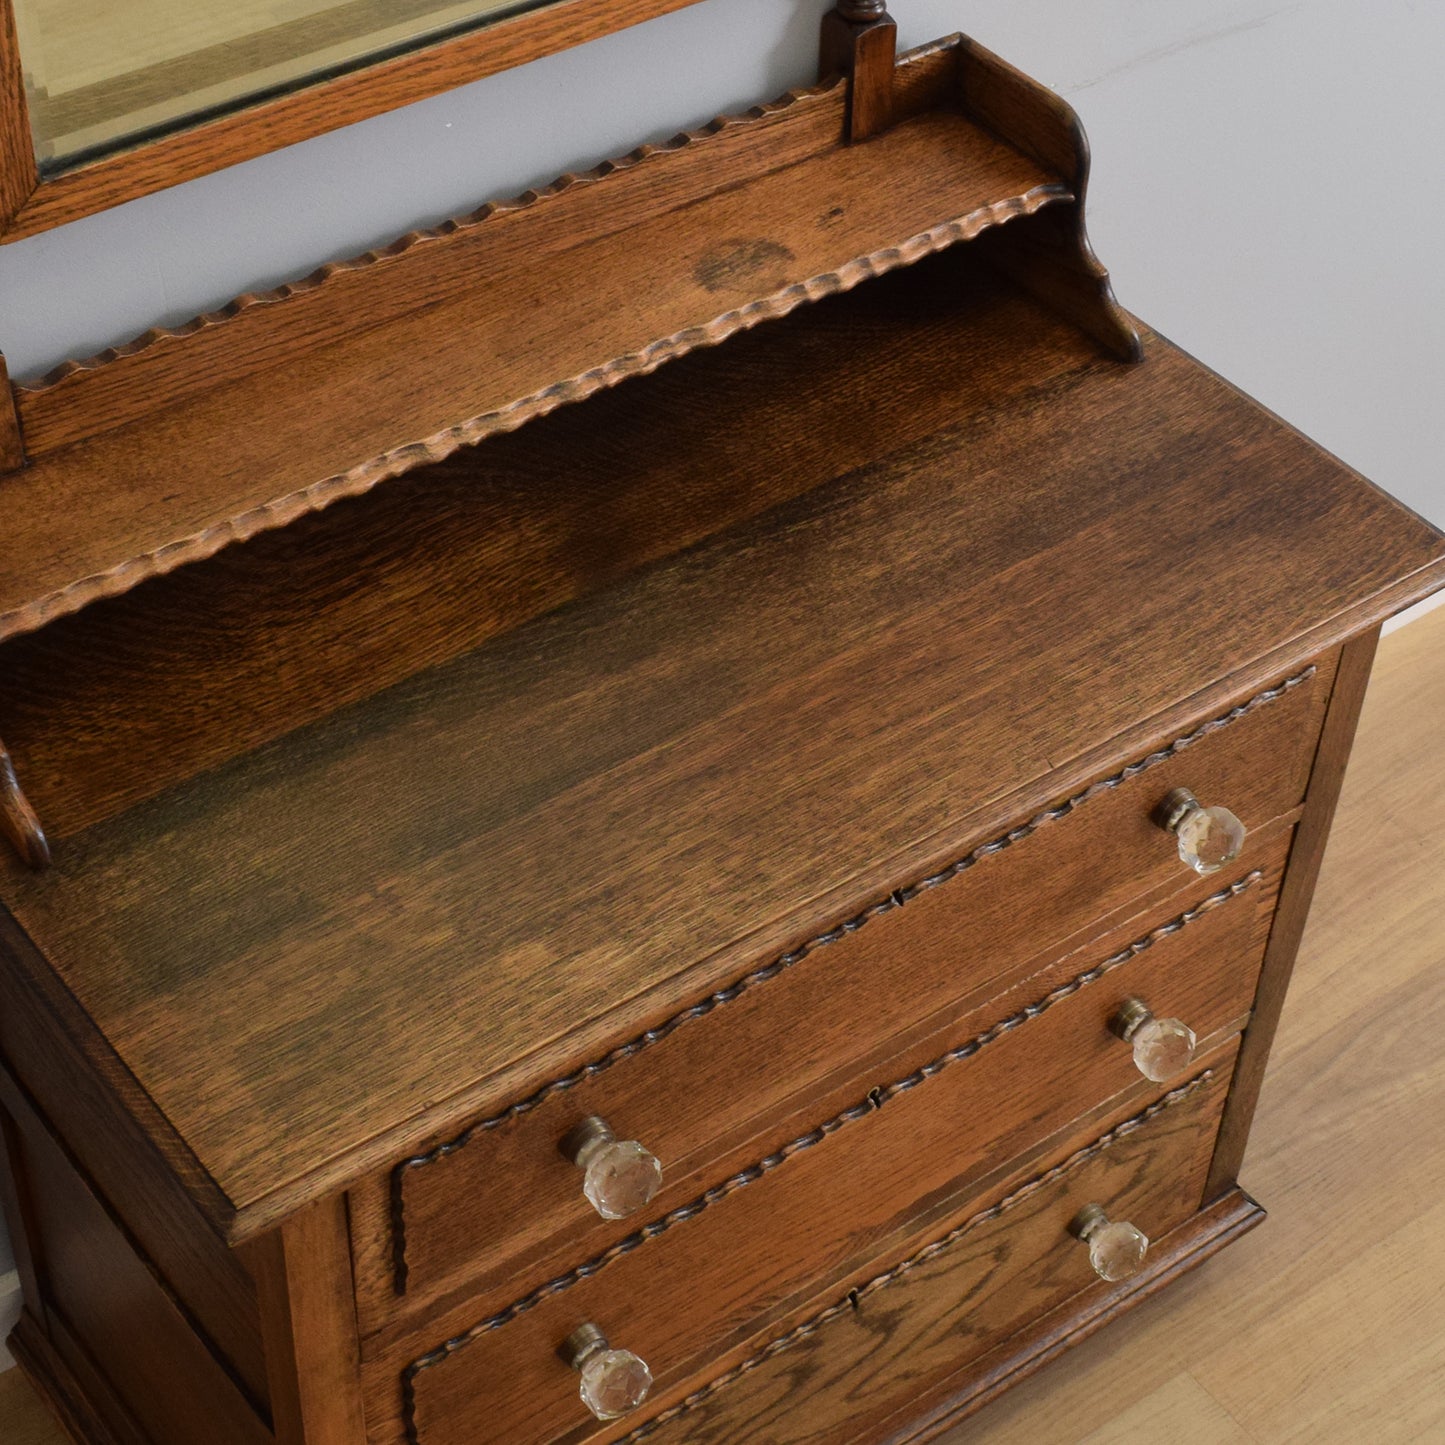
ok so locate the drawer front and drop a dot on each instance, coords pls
(492, 1201)
(953, 1112)
(855, 1371)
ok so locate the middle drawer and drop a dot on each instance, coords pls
(947, 1114)
(500, 1198)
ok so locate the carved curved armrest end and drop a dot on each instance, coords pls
(18, 821)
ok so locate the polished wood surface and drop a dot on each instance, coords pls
(1023, 1068)
(308, 1318)
(109, 1317)
(503, 1188)
(912, 1329)
(282, 403)
(263, 1007)
(1338, 735)
(30, 204)
(628, 748)
(108, 707)
(1275, 1339)
(367, 370)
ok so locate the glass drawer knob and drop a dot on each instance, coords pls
(1209, 838)
(614, 1382)
(1116, 1248)
(619, 1176)
(1162, 1047)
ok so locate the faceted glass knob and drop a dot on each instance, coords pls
(1116, 1248)
(1162, 1047)
(614, 1382)
(1209, 838)
(619, 1176)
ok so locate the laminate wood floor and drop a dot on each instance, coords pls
(1327, 1325)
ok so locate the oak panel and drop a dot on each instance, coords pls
(1013, 1072)
(905, 1333)
(622, 805)
(507, 1188)
(105, 1307)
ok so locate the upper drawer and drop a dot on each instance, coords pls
(501, 1196)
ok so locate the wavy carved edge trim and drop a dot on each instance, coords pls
(360, 479)
(649, 153)
(896, 899)
(568, 181)
(873, 1101)
(19, 823)
(852, 1301)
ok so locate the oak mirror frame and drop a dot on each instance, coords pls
(103, 102)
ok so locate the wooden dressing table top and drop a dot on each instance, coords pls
(404, 914)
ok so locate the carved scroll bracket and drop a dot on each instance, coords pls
(12, 445)
(860, 40)
(18, 822)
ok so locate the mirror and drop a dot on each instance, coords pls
(100, 76)
(102, 101)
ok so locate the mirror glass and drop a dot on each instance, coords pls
(102, 74)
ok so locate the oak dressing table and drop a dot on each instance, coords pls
(679, 810)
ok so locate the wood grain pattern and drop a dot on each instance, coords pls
(1276, 1326)
(419, 316)
(1052, 259)
(423, 268)
(308, 1314)
(640, 749)
(107, 1311)
(108, 707)
(1324, 1326)
(18, 174)
(166, 363)
(1180, 1252)
(843, 1373)
(689, 1284)
(860, 41)
(12, 443)
(1326, 778)
(695, 1078)
(197, 150)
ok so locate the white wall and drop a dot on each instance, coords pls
(1267, 188)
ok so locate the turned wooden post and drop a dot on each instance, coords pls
(860, 40)
(12, 447)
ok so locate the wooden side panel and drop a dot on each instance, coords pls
(1053, 260)
(308, 1312)
(111, 1128)
(107, 1313)
(1313, 833)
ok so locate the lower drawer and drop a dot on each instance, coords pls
(947, 1119)
(857, 1367)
